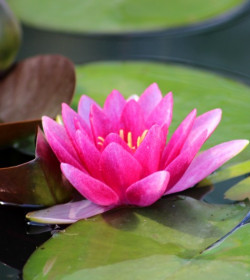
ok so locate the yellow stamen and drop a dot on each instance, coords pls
(129, 138)
(121, 134)
(100, 138)
(138, 141)
(130, 144)
(141, 138)
(100, 143)
(59, 119)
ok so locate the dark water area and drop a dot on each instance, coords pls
(18, 240)
(224, 47)
(11, 157)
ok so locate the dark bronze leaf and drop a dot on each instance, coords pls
(34, 87)
(37, 182)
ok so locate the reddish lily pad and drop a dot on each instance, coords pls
(37, 182)
(34, 87)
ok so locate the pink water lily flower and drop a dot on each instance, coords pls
(119, 154)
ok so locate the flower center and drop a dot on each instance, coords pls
(129, 138)
(100, 140)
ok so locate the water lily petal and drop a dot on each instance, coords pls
(113, 106)
(91, 188)
(149, 99)
(119, 168)
(207, 162)
(88, 153)
(100, 123)
(84, 107)
(178, 139)
(150, 150)
(132, 120)
(67, 213)
(114, 137)
(180, 164)
(207, 121)
(60, 142)
(148, 190)
(70, 119)
(162, 113)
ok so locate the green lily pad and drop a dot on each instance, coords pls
(192, 88)
(240, 191)
(141, 243)
(223, 174)
(228, 261)
(118, 16)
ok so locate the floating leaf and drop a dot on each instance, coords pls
(10, 36)
(233, 256)
(240, 191)
(192, 88)
(136, 243)
(34, 87)
(118, 16)
(246, 220)
(37, 182)
(227, 173)
(231, 260)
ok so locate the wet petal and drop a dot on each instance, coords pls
(60, 143)
(162, 113)
(91, 188)
(67, 213)
(119, 168)
(150, 150)
(207, 162)
(149, 99)
(178, 139)
(148, 190)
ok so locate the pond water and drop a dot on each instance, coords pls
(225, 47)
